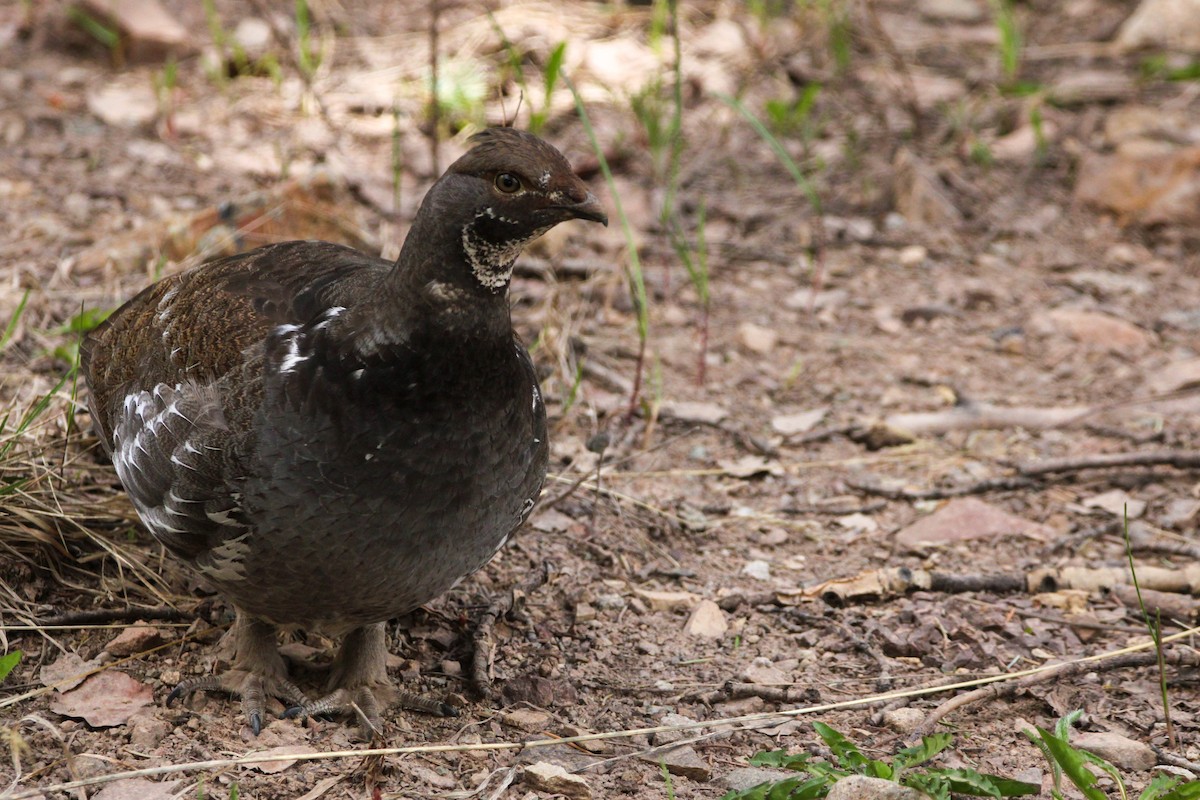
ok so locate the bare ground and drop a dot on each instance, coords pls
(953, 264)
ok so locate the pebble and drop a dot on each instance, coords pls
(666, 601)
(764, 673)
(707, 621)
(756, 338)
(1122, 751)
(546, 777)
(134, 639)
(912, 256)
(683, 761)
(757, 569)
(860, 787)
(903, 720)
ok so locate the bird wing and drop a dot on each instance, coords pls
(175, 375)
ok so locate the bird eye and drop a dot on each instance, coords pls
(507, 182)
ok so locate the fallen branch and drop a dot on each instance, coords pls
(1009, 689)
(1006, 484)
(1180, 459)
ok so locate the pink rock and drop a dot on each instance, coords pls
(967, 518)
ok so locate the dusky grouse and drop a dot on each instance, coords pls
(331, 439)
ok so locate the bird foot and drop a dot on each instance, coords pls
(364, 703)
(252, 687)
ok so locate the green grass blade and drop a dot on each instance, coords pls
(785, 158)
(1072, 763)
(11, 328)
(634, 269)
(8, 663)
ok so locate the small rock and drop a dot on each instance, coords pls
(525, 719)
(967, 518)
(707, 621)
(1023, 143)
(540, 692)
(148, 31)
(682, 761)
(254, 36)
(1180, 513)
(1148, 189)
(666, 737)
(700, 413)
(137, 638)
(1162, 25)
(1182, 374)
(1079, 87)
(912, 256)
(965, 11)
(762, 672)
(903, 720)
(1105, 284)
(801, 422)
(804, 299)
(138, 789)
(146, 731)
(609, 602)
(584, 612)
(546, 777)
(1099, 330)
(858, 522)
(551, 520)
(125, 104)
(748, 777)
(1120, 750)
(773, 537)
(860, 787)
(756, 338)
(1116, 502)
(666, 601)
(757, 569)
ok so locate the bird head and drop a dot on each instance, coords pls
(506, 191)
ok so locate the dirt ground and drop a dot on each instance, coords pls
(1003, 269)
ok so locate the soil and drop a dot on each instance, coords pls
(952, 265)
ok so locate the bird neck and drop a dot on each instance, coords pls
(432, 293)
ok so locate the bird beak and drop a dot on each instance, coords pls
(589, 208)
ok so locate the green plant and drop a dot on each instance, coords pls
(1159, 67)
(666, 775)
(694, 256)
(77, 327)
(106, 36)
(794, 117)
(1010, 39)
(307, 58)
(784, 157)
(8, 662)
(550, 75)
(907, 768)
(1154, 626)
(164, 90)
(633, 265)
(841, 32)
(1067, 760)
(551, 72)
(11, 328)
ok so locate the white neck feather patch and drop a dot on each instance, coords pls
(492, 261)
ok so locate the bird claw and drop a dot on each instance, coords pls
(251, 687)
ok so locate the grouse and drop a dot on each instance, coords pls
(331, 439)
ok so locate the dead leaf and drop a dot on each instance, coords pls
(104, 700)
